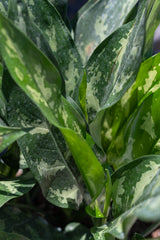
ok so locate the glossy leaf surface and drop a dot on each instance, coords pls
(133, 197)
(99, 21)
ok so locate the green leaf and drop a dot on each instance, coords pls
(109, 80)
(14, 188)
(140, 133)
(29, 225)
(2, 100)
(151, 25)
(99, 21)
(8, 135)
(60, 41)
(40, 80)
(44, 149)
(4, 6)
(12, 236)
(135, 194)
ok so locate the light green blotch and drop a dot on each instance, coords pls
(51, 35)
(77, 128)
(126, 97)
(65, 118)
(47, 170)
(64, 195)
(148, 125)
(92, 100)
(19, 74)
(39, 130)
(36, 95)
(9, 186)
(71, 73)
(120, 190)
(145, 179)
(148, 82)
(108, 130)
(40, 77)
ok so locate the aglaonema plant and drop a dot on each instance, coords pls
(82, 104)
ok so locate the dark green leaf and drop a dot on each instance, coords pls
(136, 194)
(99, 21)
(11, 236)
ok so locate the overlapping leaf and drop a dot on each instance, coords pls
(41, 81)
(114, 65)
(14, 188)
(141, 133)
(44, 149)
(100, 20)
(60, 41)
(136, 194)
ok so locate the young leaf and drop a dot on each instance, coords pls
(14, 188)
(99, 21)
(136, 195)
(60, 41)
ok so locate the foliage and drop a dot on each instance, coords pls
(82, 103)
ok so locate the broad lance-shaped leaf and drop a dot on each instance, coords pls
(99, 21)
(135, 194)
(60, 41)
(44, 149)
(16, 187)
(40, 80)
(113, 67)
(140, 133)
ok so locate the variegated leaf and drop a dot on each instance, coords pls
(139, 135)
(14, 188)
(8, 135)
(18, 13)
(136, 195)
(44, 149)
(99, 21)
(4, 6)
(41, 81)
(60, 41)
(113, 67)
(151, 25)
